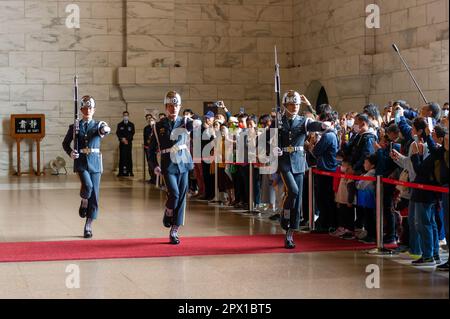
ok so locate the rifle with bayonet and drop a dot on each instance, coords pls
(278, 120)
(76, 121)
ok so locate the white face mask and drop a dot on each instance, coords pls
(416, 138)
(125, 118)
(445, 113)
(350, 123)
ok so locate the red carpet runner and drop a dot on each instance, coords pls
(153, 247)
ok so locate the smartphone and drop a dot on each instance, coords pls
(430, 124)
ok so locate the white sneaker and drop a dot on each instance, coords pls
(443, 242)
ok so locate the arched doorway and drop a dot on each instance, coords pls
(316, 93)
(322, 98)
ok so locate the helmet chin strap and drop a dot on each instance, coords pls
(291, 113)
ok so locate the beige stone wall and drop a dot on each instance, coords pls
(420, 29)
(357, 65)
(39, 56)
(224, 49)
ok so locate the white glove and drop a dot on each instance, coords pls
(157, 170)
(105, 130)
(277, 151)
(74, 155)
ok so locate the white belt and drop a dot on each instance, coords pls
(174, 149)
(89, 150)
(292, 149)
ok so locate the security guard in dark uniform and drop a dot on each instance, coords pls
(171, 139)
(88, 160)
(125, 133)
(148, 131)
(292, 161)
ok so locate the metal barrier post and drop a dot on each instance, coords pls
(216, 199)
(380, 250)
(251, 196)
(311, 198)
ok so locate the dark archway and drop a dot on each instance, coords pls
(322, 98)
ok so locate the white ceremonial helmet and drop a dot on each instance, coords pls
(291, 97)
(172, 97)
(87, 101)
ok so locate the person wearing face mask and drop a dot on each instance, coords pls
(445, 110)
(171, 139)
(428, 172)
(207, 137)
(125, 132)
(357, 149)
(88, 160)
(148, 129)
(414, 132)
(325, 151)
(292, 161)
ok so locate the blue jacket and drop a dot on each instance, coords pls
(166, 140)
(90, 138)
(360, 147)
(326, 150)
(406, 131)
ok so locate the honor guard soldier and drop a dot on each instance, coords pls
(125, 133)
(88, 160)
(292, 161)
(171, 138)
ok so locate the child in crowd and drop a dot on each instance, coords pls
(366, 199)
(345, 200)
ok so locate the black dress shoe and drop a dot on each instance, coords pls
(284, 223)
(83, 212)
(275, 217)
(174, 240)
(167, 220)
(289, 244)
(87, 234)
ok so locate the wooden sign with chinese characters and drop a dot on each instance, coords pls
(28, 126)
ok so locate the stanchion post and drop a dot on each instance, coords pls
(379, 212)
(311, 198)
(250, 192)
(216, 199)
(216, 181)
(380, 250)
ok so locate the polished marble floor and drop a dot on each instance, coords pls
(45, 209)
